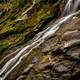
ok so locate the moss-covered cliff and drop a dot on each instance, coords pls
(18, 26)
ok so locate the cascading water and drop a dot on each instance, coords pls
(71, 6)
(11, 64)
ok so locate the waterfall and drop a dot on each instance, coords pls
(71, 6)
(39, 39)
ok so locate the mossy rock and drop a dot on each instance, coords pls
(19, 32)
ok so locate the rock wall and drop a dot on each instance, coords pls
(18, 26)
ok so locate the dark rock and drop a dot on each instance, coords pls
(21, 77)
(74, 53)
(76, 77)
(61, 68)
(71, 43)
(57, 52)
(69, 35)
(27, 69)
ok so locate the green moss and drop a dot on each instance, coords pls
(19, 3)
(16, 33)
(4, 44)
(29, 59)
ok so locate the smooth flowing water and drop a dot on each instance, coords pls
(71, 6)
(11, 64)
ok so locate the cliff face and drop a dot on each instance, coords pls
(57, 58)
(20, 20)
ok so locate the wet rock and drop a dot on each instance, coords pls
(27, 69)
(35, 60)
(44, 66)
(21, 77)
(69, 35)
(72, 25)
(57, 52)
(74, 53)
(76, 77)
(71, 43)
(61, 68)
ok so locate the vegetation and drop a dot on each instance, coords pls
(15, 33)
(19, 3)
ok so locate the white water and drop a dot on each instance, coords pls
(39, 39)
(9, 56)
(71, 6)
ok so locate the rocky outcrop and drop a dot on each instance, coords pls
(59, 57)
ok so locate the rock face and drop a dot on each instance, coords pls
(58, 58)
(20, 20)
(58, 62)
